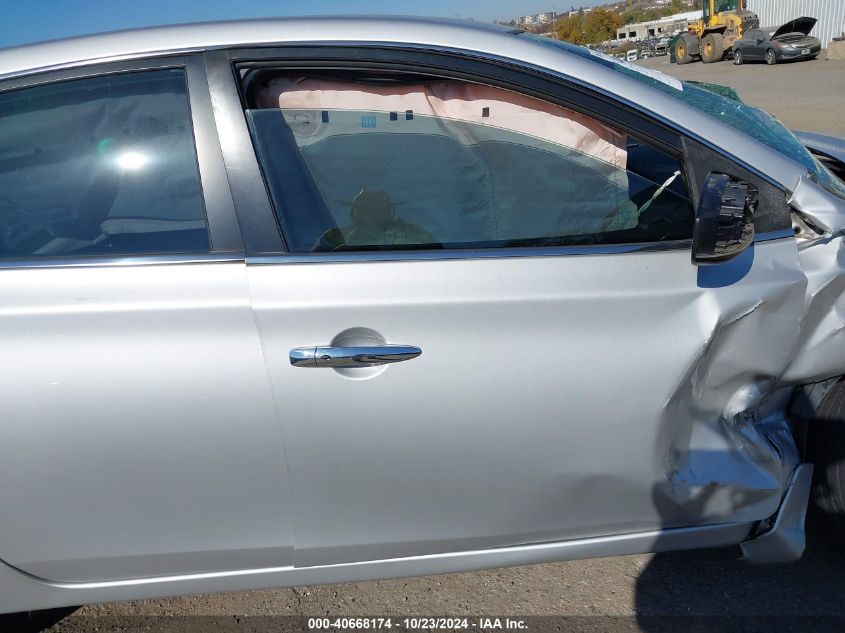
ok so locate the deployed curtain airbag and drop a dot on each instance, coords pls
(506, 166)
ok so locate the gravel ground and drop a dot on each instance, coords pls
(804, 95)
(632, 593)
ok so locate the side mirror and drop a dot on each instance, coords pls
(724, 224)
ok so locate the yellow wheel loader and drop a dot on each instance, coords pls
(714, 35)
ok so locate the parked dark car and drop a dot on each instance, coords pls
(792, 41)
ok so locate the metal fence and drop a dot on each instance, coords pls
(829, 13)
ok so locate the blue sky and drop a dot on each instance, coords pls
(23, 21)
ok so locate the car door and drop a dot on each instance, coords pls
(556, 368)
(138, 436)
(753, 49)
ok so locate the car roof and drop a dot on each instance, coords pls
(176, 38)
(479, 39)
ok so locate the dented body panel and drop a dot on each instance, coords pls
(821, 347)
(567, 403)
(502, 434)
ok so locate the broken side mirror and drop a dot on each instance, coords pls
(724, 225)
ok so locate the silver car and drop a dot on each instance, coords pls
(315, 300)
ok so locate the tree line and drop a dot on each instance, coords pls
(601, 24)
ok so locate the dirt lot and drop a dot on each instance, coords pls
(804, 95)
(622, 594)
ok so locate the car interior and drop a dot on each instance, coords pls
(455, 164)
(131, 186)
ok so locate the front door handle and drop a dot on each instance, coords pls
(364, 356)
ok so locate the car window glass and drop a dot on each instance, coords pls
(744, 118)
(100, 166)
(445, 164)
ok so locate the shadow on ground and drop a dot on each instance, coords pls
(33, 621)
(720, 583)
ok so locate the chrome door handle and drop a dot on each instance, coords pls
(364, 356)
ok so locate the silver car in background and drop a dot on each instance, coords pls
(315, 300)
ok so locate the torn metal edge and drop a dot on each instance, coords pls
(785, 541)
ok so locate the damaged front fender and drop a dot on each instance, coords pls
(820, 353)
(737, 390)
(728, 444)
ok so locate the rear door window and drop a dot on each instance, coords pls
(100, 166)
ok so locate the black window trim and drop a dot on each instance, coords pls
(225, 239)
(256, 217)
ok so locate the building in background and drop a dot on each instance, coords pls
(537, 19)
(829, 13)
(663, 27)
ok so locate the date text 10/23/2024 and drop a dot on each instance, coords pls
(415, 624)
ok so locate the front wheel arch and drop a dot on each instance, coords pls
(825, 448)
(771, 56)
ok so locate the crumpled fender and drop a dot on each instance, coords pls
(786, 327)
(729, 450)
(831, 146)
(820, 352)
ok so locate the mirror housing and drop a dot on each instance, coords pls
(724, 225)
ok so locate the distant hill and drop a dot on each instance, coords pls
(592, 25)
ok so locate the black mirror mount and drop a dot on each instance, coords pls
(724, 225)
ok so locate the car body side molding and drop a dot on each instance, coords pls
(22, 591)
